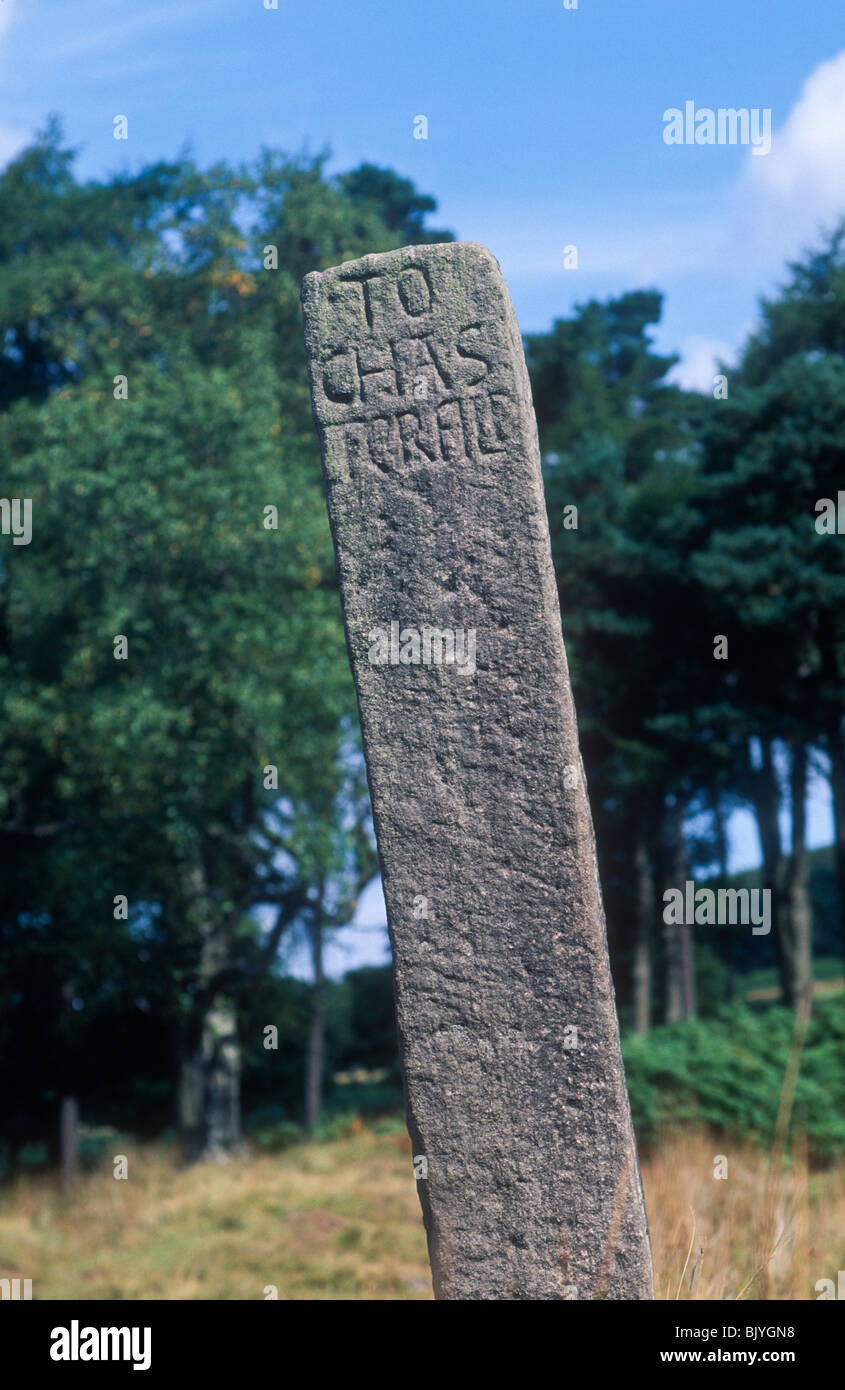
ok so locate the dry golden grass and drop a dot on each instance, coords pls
(335, 1220)
(760, 1233)
(341, 1220)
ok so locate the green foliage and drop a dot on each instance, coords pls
(270, 1129)
(365, 1098)
(97, 1145)
(616, 444)
(696, 518)
(727, 1073)
(396, 202)
(153, 519)
(371, 1023)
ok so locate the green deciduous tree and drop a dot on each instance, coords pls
(175, 703)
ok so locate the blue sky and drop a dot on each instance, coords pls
(544, 130)
(545, 124)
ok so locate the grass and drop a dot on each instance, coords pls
(341, 1220)
(758, 1234)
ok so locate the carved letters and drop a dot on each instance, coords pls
(405, 402)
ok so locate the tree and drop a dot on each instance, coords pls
(773, 450)
(176, 703)
(620, 466)
(396, 201)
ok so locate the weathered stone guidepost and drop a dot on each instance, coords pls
(517, 1107)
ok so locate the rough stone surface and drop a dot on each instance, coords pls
(517, 1105)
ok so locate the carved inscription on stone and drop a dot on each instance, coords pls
(396, 389)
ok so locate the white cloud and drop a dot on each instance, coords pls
(700, 358)
(777, 206)
(769, 212)
(12, 141)
(808, 156)
(7, 14)
(788, 198)
(126, 28)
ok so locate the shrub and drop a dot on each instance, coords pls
(727, 1073)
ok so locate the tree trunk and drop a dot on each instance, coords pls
(69, 1141)
(644, 909)
(678, 940)
(765, 797)
(221, 1052)
(316, 1035)
(798, 921)
(191, 1102)
(210, 1086)
(837, 787)
(689, 1000)
(210, 1062)
(720, 826)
